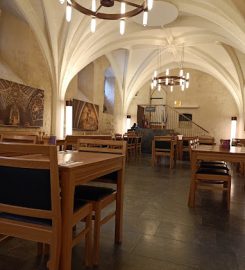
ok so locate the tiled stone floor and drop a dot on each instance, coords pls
(160, 231)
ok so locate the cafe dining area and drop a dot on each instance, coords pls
(122, 135)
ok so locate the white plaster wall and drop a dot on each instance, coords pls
(216, 105)
(80, 88)
(22, 61)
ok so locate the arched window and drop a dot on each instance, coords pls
(109, 91)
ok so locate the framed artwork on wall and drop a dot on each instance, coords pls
(85, 115)
(20, 105)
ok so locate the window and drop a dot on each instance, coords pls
(109, 91)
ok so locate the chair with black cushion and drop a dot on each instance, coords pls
(211, 177)
(118, 136)
(164, 146)
(186, 146)
(71, 140)
(130, 138)
(100, 196)
(138, 145)
(30, 199)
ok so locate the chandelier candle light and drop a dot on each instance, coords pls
(182, 80)
(127, 9)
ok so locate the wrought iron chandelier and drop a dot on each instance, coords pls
(167, 80)
(127, 9)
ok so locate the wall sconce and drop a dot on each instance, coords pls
(128, 122)
(233, 128)
(68, 117)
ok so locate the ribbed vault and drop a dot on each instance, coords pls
(212, 33)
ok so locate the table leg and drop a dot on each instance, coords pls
(67, 213)
(119, 207)
(191, 201)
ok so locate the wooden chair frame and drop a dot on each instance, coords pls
(102, 146)
(19, 138)
(214, 182)
(71, 140)
(42, 234)
(50, 235)
(161, 152)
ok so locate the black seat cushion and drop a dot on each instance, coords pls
(214, 166)
(79, 204)
(185, 142)
(213, 162)
(110, 176)
(163, 145)
(25, 187)
(212, 171)
(92, 193)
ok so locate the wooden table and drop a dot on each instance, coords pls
(212, 152)
(77, 168)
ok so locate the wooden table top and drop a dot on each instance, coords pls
(218, 149)
(74, 158)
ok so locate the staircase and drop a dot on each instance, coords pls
(164, 116)
(182, 124)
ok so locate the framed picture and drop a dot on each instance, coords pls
(20, 105)
(85, 115)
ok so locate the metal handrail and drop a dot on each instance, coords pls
(187, 118)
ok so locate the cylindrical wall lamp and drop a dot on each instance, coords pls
(233, 128)
(68, 117)
(128, 122)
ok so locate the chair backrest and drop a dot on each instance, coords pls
(164, 143)
(19, 138)
(207, 140)
(71, 140)
(102, 146)
(29, 183)
(118, 136)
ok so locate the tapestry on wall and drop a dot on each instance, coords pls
(85, 115)
(20, 105)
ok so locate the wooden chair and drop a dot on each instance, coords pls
(164, 146)
(24, 212)
(100, 196)
(131, 140)
(71, 140)
(19, 138)
(30, 208)
(138, 145)
(186, 146)
(118, 136)
(206, 140)
(213, 178)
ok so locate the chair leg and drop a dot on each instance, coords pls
(88, 241)
(194, 192)
(228, 195)
(96, 247)
(53, 263)
(40, 247)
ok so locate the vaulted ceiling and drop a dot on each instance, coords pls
(211, 32)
